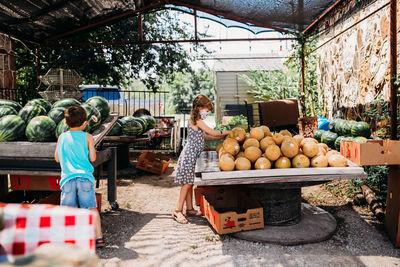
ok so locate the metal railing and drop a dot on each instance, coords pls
(126, 102)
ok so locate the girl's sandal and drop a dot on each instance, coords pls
(193, 212)
(100, 242)
(178, 216)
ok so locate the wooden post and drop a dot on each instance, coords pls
(302, 93)
(38, 66)
(392, 217)
(61, 84)
(3, 185)
(112, 179)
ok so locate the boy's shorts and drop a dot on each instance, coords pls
(78, 190)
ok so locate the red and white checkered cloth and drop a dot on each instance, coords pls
(28, 226)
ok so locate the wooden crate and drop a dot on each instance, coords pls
(151, 162)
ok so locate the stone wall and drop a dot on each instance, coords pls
(8, 78)
(353, 60)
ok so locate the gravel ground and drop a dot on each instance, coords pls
(143, 233)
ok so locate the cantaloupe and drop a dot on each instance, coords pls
(308, 139)
(257, 133)
(266, 130)
(251, 142)
(278, 138)
(300, 161)
(285, 132)
(287, 138)
(321, 151)
(273, 152)
(238, 134)
(298, 138)
(252, 153)
(221, 152)
(319, 161)
(240, 154)
(324, 146)
(242, 164)
(228, 155)
(231, 146)
(282, 163)
(262, 163)
(226, 164)
(310, 149)
(266, 141)
(247, 136)
(219, 147)
(331, 152)
(337, 160)
(289, 148)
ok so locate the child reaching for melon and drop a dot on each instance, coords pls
(198, 132)
(264, 150)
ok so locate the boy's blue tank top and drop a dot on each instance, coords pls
(74, 156)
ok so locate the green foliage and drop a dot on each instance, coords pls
(377, 181)
(238, 120)
(187, 85)
(117, 64)
(272, 85)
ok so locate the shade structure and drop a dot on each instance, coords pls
(42, 20)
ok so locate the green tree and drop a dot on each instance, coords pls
(186, 86)
(118, 64)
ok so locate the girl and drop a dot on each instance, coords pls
(198, 131)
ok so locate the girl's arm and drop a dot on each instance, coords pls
(56, 152)
(90, 145)
(203, 126)
(212, 138)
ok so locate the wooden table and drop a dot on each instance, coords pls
(277, 190)
(37, 159)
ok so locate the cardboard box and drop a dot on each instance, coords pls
(40, 183)
(232, 211)
(198, 190)
(279, 113)
(151, 162)
(373, 152)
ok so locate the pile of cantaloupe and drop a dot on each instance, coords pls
(260, 149)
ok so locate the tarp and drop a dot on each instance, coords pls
(38, 20)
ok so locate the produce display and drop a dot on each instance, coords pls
(132, 126)
(261, 149)
(39, 121)
(339, 130)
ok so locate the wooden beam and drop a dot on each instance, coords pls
(393, 69)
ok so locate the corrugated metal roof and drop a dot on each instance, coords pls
(248, 62)
(38, 20)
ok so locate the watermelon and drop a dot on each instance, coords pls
(101, 104)
(116, 130)
(338, 126)
(361, 129)
(151, 122)
(346, 128)
(15, 105)
(40, 102)
(337, 142)
(93, 118)
(360, 139)
(329, 138)
(56, 114)
(7, 110)
(40, 129)
(29, 112)
(66, 103)
(332, 125)
(12, 128)
(142, 122)
(318, 134)
(61, 127)
(131, 127)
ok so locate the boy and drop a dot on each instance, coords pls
(74, 150)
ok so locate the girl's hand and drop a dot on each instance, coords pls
(224, 134)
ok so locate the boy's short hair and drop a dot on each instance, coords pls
(75, 116)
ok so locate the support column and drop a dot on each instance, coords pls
(8, 79)
(302, 93)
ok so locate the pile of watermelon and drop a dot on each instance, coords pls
(133, 126)
(339, 130)
(40, 121)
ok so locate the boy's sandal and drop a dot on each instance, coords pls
(178, 216)
(193, 212)
(100, 242)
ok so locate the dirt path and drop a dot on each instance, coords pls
(142, 233)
